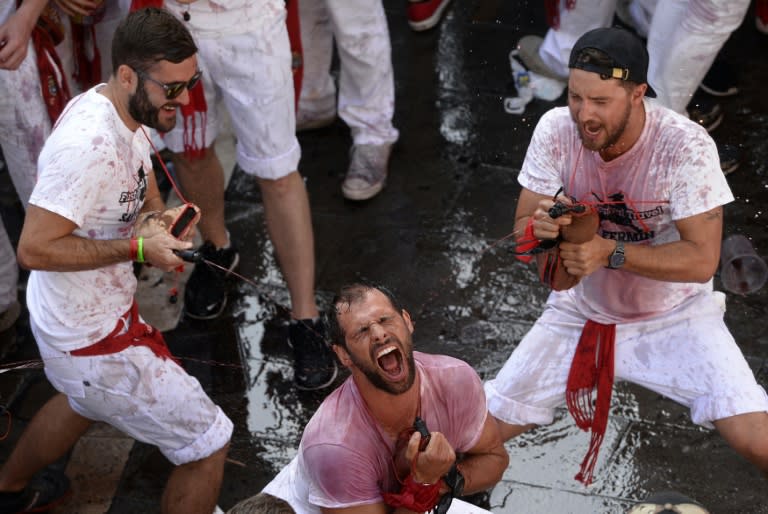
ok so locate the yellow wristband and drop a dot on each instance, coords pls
(140, 250)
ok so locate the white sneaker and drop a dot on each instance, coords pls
(367, 172)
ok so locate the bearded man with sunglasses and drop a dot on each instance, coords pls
(363, 451)
(94, 210)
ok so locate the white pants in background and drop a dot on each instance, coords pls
(366, 83)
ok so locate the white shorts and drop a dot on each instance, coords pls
(151, 399)
(251, 74)
(687, 355)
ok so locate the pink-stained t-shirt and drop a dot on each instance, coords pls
(671, 173)
(92, 171)
(345, 458)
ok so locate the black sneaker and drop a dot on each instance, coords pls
(206, 293)
(721, 79)
(730, 158)
(44, 492)
(314, 365)
(705, 111)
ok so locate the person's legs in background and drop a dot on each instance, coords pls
(317, 101)
(366, 100)
(9, 304)
(549, 56)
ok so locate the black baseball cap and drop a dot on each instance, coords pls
(668, 502)
(626, 50)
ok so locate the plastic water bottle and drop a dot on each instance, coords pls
(522, 78)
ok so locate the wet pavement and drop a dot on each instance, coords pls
(431, 235)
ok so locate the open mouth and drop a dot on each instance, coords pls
(391, 362)
(591, 130)
(169, 107)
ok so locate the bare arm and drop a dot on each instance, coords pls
(16, 31)
(484, 464)
(693, 258)
(47, 243)
(534, 208)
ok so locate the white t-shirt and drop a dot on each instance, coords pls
(92, 171)
(671, 173)
(345, 458)
(217, 18)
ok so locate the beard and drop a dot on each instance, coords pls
(612, 136)
(141, 109)
(373, 375)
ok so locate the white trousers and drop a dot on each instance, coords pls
(683, 41)
(587, 15)
(366, 81)
(687, 355)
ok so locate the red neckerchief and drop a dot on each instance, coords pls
(553, 11)
(194, 114)
(592, 367)
(46, 34)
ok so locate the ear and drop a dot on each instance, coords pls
(408, 321)
(127, 78)
(342, 355)
(639, 92)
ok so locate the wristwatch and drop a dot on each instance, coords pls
(616, 259)
(455, 481)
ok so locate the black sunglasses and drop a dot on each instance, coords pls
(173, 89)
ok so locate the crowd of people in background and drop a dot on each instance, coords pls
(89, 85)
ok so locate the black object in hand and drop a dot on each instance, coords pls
(421, 428)
(189, 255)
(559, 209)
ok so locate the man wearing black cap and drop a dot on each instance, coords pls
(640, 306)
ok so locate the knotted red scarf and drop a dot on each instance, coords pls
(592, 367)
(46, 34)
(194, 114)
(414, 496)
(138, 334)
(553, 11)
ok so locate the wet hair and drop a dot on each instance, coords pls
(347, 295)
(148, 36)
(262, 503)
(602, 59)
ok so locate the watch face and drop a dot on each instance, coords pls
(616, 260)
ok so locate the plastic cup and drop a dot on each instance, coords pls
(742, 271)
